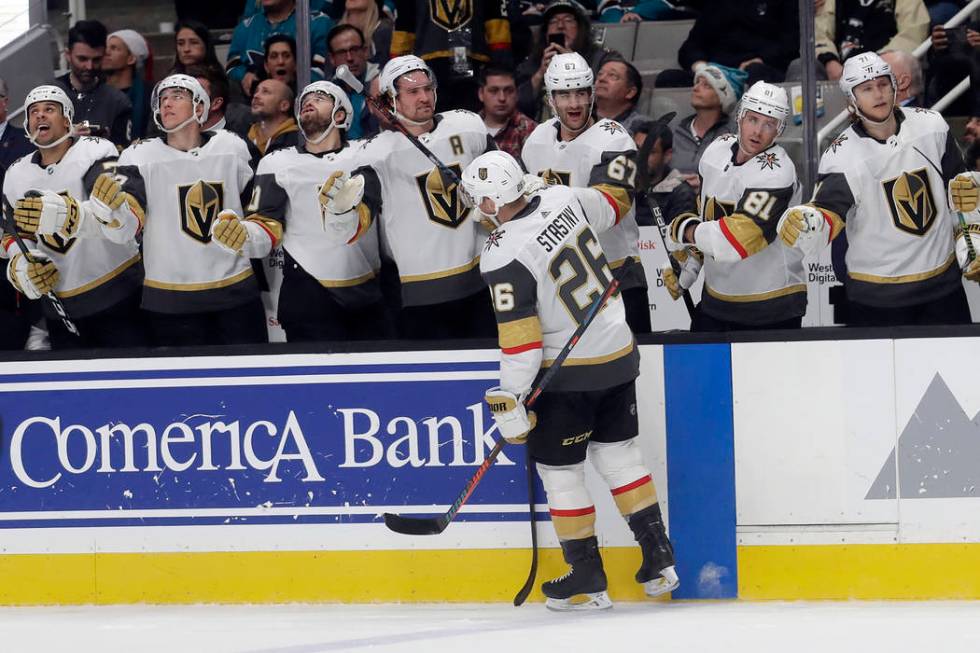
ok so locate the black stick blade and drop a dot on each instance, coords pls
(415, 525)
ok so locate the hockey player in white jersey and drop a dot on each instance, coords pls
(575, 149)
(199, 286)
(545, 267)
(330, 287)
(56, 197)
(424, 225)
(885, 177)
(752, 280)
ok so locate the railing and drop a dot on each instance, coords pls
(831, 127)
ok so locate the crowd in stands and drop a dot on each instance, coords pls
(491, 58)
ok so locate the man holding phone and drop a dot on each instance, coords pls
(566, 29)
(100, 109)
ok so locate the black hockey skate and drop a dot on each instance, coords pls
(656, 574)
(584, 586)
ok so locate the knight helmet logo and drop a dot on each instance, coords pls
(443, 205)
(200, 203)
(910, 201)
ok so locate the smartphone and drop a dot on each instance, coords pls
(956, 35)
(558, 39)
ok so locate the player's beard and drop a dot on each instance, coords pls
(314, 124)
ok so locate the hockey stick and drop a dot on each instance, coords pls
(436, 525)
(448, 175)
(643, 181)
(532, 573)
(971, 253)
(53, 300)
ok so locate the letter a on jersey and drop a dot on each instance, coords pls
(200, 204)
(444, 207)
(910, 201)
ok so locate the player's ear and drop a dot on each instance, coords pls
(339, 116)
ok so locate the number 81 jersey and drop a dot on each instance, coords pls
(601, 157)
(745, 201)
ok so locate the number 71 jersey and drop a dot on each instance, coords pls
(602, 157)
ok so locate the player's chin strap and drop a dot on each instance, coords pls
(877, 122)
(33, 139)
(403, 118)
(323, 135)
(159, 123)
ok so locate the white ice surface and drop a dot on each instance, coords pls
(687, 627)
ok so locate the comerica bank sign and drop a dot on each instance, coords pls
(309, 440)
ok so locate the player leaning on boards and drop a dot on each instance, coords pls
(885, 176)
(329, 290)
(575, 149)
(82, 245)
(199, 286)
(751, 279)
(544, 267)
(423, 223)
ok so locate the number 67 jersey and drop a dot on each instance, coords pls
(545, 268)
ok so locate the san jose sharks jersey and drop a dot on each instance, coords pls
(94, 273)
(287, 188)
(892, 197)
(603, 157)
(186, 272)
(545, 267)
(760, 280)
(425, 226)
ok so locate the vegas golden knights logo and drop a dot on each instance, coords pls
(556, 177)
(715, 209)
(200, 204)
(57, 243)
(911, 202)
(444, 207)
(451, 14)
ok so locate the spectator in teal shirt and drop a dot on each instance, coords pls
(246, 56)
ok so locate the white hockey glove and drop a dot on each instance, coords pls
(675, 232)
(341, 193)
(46, 212)
(690, 261)
(968, 259)
(240, 236)
(532, 184)
(513, 421)
(803, 227)
(33, 278)
(964, 193)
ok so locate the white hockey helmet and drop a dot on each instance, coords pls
(767, 99)
(49, 93)
(493, 175)
(340, 101)
(199, 97)
(862, 68)
(402, 66)
(397, 67)
(568, 71)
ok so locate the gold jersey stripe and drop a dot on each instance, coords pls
(274, 227)
(363, 222)
(574, 528)
(836, 223)
(346, 283)
(904, 278)
(74, 292)
(441, 54)
(497, 31)
(758, 297)
(137, 210)
(748, 234)
(636, 499)
(402, 43)
(519, 332)
(619, 195)
(596, 360)
(442, 274)
(206, 285)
